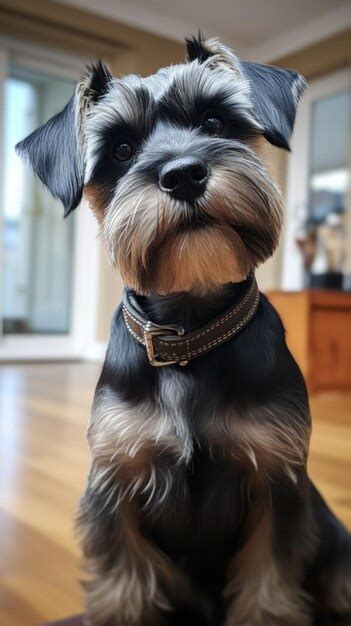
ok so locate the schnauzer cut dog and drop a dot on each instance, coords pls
(198, 509)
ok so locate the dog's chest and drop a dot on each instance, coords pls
(257, 438)
(199, 419)
(185, 444)
(193, 413)
(206, 505)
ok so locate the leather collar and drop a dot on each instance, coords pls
(168, 345)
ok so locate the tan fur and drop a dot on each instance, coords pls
(130, 591)
(127, 444)
(144, 228)
(222, 55)
(93, 196)
(118, 428)
(260, 591)
(128, 585)
(199, 261)
(261, 147)
(260, 439)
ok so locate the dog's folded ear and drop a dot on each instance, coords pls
(55, 149)
(274, 92)
(52, 152)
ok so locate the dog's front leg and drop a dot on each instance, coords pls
(125, 571)
(130, 580)
(266, 575)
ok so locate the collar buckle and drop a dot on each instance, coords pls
(154, 330)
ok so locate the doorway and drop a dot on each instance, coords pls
(48, 263)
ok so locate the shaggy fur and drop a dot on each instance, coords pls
(198, 508)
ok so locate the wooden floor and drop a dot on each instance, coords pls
(43, 462)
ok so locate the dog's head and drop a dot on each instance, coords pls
(171, 165)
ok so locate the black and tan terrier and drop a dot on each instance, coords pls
(198, 508)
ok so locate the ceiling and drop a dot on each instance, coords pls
(245, 24)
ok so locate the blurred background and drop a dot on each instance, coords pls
(58, 294)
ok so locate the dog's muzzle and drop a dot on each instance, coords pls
(170, 345)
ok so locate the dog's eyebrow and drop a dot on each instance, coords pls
(195, 86)
(128, 103)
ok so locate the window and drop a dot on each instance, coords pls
(38, 244)
(49, 266)
(328, 177)
(315, 252)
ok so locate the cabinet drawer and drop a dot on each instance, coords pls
(330, 348)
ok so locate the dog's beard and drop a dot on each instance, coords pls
(161, 245)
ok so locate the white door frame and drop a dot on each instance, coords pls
(298, 173)
(79, 342)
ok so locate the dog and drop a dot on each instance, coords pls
(198, 507)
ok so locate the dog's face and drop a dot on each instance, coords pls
(170, 166)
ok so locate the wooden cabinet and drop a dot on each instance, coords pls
(318, 333)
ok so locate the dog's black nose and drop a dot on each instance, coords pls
(184, 178)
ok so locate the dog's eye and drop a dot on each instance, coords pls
(212, 125)
(123, 151)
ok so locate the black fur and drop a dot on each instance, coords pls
(52, 149)
(99, 77)
(254, 367)
(178, 107)
(275, 93)
(59, 163)
(196, 49)
(52, 153)
(218, 490)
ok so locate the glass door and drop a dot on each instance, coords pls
(328, 183)
(318, 232)
(38, 243)
(49, 266)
